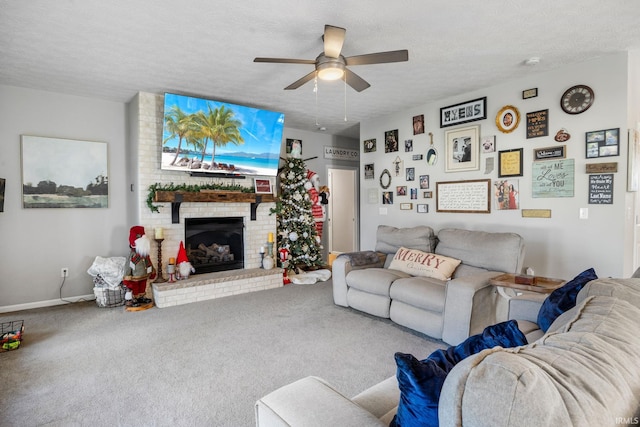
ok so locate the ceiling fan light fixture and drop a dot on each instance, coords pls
(331, 70)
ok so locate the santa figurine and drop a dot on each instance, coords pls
(138, 270)
(182, 263)
(317, 210)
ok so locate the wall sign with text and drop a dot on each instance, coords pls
(465, 112)
(538, 124)
(601, 189)
(554, 178)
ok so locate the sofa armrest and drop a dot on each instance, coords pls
(311, 402)
(470, 306)
(526, 306)
(346, 262)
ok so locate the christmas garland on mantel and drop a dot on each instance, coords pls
(190, 188)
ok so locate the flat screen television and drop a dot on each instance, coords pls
(205, 136)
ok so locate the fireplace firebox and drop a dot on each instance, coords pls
(215, 244)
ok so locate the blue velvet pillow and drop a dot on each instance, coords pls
(563, 298)
(420, 382)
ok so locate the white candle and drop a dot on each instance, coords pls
(159, 233)
(261, 249)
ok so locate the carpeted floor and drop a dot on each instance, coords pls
(201, 364)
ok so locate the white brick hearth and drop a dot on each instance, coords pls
(208, 286)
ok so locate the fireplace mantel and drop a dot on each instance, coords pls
(210, 196)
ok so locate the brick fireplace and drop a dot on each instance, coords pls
(147, 110)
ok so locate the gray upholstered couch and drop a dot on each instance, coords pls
(582, 372)
(449, 310)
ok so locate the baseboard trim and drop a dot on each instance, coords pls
(48, 303)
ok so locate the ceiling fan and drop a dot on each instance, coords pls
(331, 65)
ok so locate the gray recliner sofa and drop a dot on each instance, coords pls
(450, 310)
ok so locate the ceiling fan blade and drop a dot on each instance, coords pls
(355, 81)
(333, 40)
(379, 58)
(300, 82)
(286, 60)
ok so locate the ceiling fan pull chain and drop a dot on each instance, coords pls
(345, 99)
(315, 89)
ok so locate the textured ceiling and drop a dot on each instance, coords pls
(113, 49)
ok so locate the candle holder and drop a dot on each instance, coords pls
(270, 249)
(159, 278)
(171, 271)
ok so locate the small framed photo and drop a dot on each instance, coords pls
(463, 149)
(391, 141)
(262, 186)
(427, 194)
(408, 145)
(418, 124)
(488, 144)
(424, 182)
(369, 171)
(603, 143)
(416, 157)
(291, 143)
(508, 119)
(387, 197)
(510, 163)
(414, 193)
(423, 208)
(406, 206)
(410, 174)
(369, 145)
(401, 190)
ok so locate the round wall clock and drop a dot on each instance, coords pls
(577, 99)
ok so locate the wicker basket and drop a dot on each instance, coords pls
(108, 297)
(11, 335)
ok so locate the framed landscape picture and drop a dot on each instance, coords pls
(64, 173)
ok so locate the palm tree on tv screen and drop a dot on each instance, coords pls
(180, 125)
(219, 126)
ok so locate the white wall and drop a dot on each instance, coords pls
(560, 246)
(36, 243)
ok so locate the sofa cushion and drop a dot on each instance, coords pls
(421, 292)
(421, 382)
(419, 263)
(502, 251)
(374, 280)
(563, 298)
(390, 239)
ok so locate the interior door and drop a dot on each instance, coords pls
(342, 212)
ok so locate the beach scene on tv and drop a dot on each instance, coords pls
(202, 135)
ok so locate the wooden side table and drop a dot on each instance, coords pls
(543, 285)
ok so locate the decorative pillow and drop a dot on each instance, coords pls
(418, 263)
(420, 382)
(563, 298)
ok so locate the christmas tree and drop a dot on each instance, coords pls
(296, 227)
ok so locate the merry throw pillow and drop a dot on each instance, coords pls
(418, 263)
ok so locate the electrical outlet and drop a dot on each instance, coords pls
(64, 272)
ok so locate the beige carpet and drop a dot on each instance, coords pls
(201, 364)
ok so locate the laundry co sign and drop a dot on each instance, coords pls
(340, 153)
